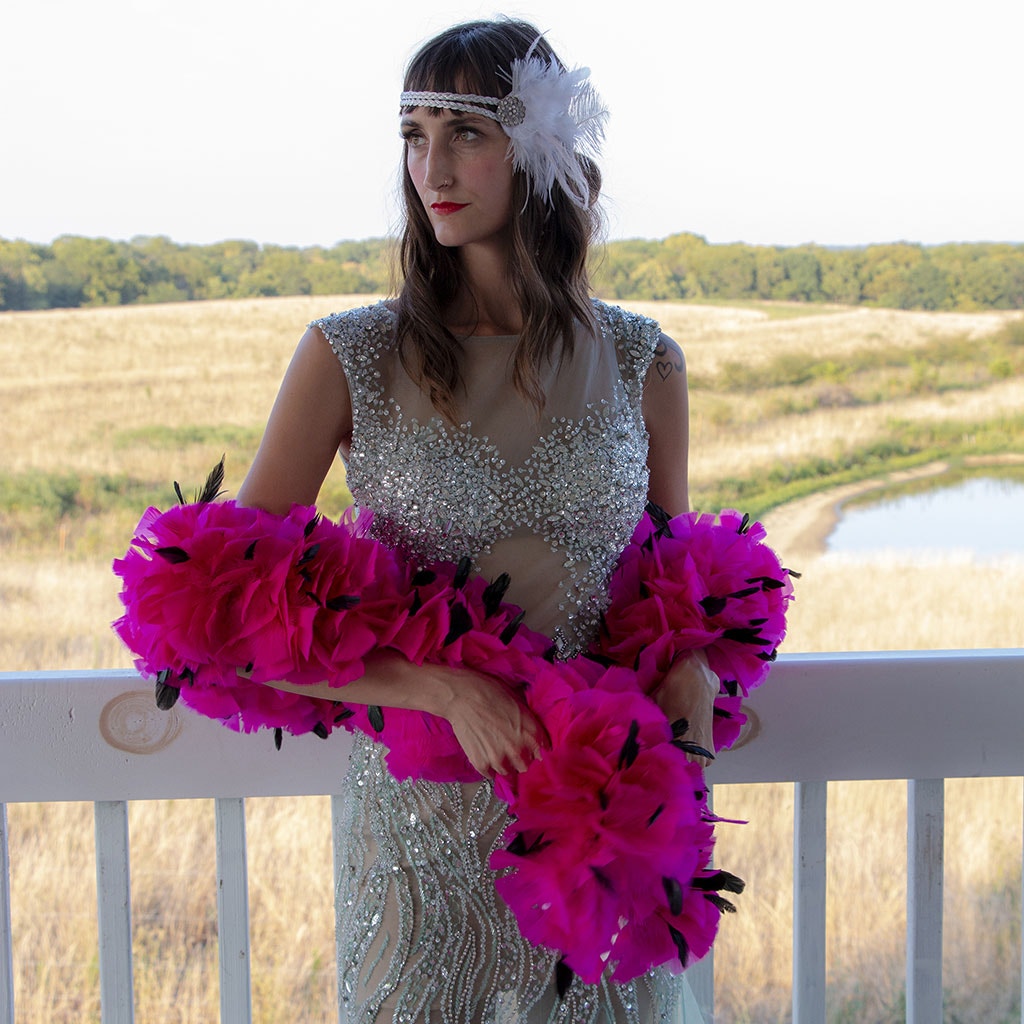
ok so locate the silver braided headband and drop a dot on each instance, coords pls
(552, 117)
(509, 110)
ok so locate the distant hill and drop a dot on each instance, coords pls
(75, 271)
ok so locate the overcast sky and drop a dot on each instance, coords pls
(763, 121)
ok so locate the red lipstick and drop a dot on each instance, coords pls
(446, 208)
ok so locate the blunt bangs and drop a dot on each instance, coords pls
(472, 58)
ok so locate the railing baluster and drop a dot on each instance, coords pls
(925, 827)
(337, 824)
(233, 912)
(6, 938)
(809, 824)
(702, 974)
(114, 911)
(702, 981)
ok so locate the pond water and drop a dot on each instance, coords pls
(982, 517)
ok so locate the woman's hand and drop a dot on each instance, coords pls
(688, 691)
(494, 727)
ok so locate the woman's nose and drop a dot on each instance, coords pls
(438, 171)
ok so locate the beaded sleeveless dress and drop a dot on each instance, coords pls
(424, 937)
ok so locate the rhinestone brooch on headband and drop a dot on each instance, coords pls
(551, 117)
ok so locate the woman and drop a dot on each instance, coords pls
(492, 410)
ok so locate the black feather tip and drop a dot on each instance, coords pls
(509, 632)
(713, 605)
(563, 978)
(745, 635)
(459, 624)
(688, 747)
(658, 515)
(173, 554)
(494, 593)
(214, 486)
(682, 949)
(718, 881)
(462, 571)
(166, 696)
(631, 748)
(309, 554)
(674, 893)
(721, 902)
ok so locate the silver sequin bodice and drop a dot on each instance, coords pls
(550, 499)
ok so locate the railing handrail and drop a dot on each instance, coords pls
(97, 735)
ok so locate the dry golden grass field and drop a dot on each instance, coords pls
(103, 408)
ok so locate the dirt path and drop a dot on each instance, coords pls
(799, 529)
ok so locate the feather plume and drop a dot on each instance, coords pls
(563, 119)
(213, 488)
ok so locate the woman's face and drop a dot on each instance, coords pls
(462, 171)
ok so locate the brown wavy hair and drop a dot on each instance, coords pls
(547, 266)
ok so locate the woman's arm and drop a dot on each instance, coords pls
(666, 410)
(311, 419)
(689, 687)
(495, 728)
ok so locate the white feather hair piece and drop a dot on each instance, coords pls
(551, 117)
(562, 118)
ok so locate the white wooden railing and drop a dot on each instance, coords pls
(96, 736)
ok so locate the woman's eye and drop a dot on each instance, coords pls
(467, 134)
(412, 139)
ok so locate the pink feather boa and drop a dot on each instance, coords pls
(460, 620)
(609, 830)
(212, 588)
(699, 583)
(610, 837)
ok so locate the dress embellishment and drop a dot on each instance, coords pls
(424, 935)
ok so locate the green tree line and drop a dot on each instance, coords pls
(75, 271)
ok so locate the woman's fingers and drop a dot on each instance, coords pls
(688, 691)
(522, 758)
(498, 733)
